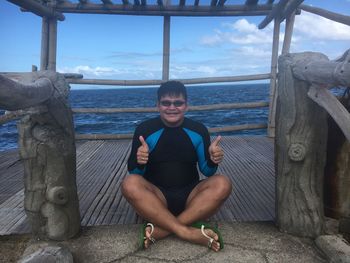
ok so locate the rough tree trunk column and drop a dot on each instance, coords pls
(47, 148)
(300, 147)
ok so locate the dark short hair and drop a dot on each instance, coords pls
(172, 88)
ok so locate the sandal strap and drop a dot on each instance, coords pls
(152, 239)
(210, 239)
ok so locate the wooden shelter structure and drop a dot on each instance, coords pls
(300, 142)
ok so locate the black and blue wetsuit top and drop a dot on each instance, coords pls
(173, 153)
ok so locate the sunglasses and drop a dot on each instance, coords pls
(168, 103)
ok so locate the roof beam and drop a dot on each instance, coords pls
(251, 2)
(290, 8)
(281, 10)
(276, 10)
(327, 14)
(221, 2)
(164, 10)
(38, 9)
(107, 2)
(213, 2)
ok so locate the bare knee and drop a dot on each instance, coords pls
(222, 186)
(131, 185)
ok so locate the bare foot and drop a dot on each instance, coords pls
(197, 237)
(157, 234)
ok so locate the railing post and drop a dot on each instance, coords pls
(273, 81)
(300, 150)
(166, 48)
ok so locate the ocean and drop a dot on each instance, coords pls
(146, 97)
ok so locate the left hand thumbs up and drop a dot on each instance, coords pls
(215, 151)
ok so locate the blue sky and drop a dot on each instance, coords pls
(130, 47)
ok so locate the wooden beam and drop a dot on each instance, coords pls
(251, 2)
(316, 68)
(172, 10)
(288, 32)
(44, 54)
(332, 105)
(158, 82)
(166, 48)
(275, 13)
(130, 135)
(213, 2)
(38, 9)
(12, 115)
(327, 14)
(52, 44)
(291, 7)
(221, 2)
(107, 2)
(228, 106)
(273, 80)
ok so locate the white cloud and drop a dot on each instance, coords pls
(240, 32)
(319, 28)
(126, 72)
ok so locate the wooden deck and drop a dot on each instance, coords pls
(101, 165)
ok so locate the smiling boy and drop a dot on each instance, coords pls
(164, 186)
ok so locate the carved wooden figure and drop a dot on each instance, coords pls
(47, 147)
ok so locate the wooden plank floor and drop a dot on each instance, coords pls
(101, 166)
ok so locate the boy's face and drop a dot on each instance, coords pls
(172, 110)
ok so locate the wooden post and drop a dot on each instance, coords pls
(273, 95)
(166, 48)
(300, 150)
(288, 33)
(52, 44)
(44, 44)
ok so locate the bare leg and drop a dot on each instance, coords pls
(149, 203)
(204, 201)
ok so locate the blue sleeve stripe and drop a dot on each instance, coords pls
(197, 141)
(137, 171)
(153, 139)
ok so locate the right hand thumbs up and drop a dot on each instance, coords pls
(142, 152)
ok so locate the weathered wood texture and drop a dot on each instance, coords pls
(337, 171)
(254, 126)
(166, 48)
(344, 19)
(101, 165)
(317, 70)
(158, 82)
(273, 80)
(47, 149)
(301, 136)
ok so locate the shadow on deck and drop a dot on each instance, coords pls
(101, 166)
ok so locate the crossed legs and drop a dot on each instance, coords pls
(204, 200)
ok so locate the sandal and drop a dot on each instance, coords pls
(203, 226)
(143, 236)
